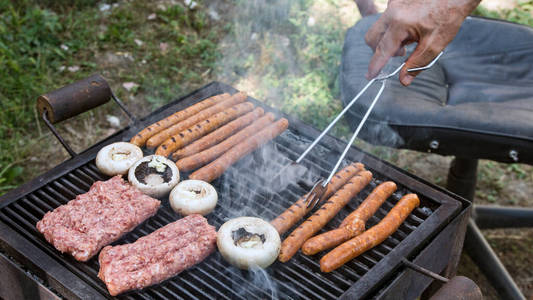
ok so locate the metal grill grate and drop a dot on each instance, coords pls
(214, 278)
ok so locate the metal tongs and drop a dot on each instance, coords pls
(319, 188)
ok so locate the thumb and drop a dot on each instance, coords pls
(390, 43)
(423, 54)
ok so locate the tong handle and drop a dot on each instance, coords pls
(339, 161)
(347, 107)
(387, 76)
(332, 123)
(383, 80)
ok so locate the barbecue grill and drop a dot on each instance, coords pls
(431, 237)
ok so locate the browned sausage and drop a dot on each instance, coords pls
(371, 204)
(315, 222)
(218, 135)
(200, 129)
(217, 167)
(140, 138)
(162, 136)
(372, 237)
(299, 209)
(353, 224)
(197, 160)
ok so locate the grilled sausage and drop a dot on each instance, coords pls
(299, 209)
(218, 135)
(372, 237)
(140, 138)
(197, 160)
(371, 204)
(192, 133)
(314, 223)
(162, 136)
(353, 224)
(217, 167)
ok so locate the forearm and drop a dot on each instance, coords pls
(366, 7)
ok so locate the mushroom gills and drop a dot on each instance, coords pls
(150, 175)
(244, 239)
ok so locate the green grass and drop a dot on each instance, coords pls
(30, 54)
(286, 62)
(270, 49)
(522, 13)
(39, 39)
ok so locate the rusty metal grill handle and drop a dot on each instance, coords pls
(44, 115)
(123, 107)
(74, 99)
(424, 271)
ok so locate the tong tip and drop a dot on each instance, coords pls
(313, 198)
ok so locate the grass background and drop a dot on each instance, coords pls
(285, 52)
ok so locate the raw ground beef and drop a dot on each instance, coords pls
(97, 218)
(160, 255)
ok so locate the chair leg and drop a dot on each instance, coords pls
(462, 181)
(462, 177)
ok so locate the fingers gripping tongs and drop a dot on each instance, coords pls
(319, 188)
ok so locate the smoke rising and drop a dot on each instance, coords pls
(286, 53)
(245, 190)
(262, 278)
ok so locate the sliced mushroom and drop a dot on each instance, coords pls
(154, 175)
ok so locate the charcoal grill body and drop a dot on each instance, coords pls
(431, 237)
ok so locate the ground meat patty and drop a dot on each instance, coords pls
(160, 255)
(97, 218)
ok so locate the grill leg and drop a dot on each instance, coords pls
(462, 181)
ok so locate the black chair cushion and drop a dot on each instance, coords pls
(476, 102)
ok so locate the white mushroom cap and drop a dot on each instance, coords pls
(250, 252)
(149, 175)
(117, 158)
(193, 197)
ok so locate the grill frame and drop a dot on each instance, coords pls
(72, 286)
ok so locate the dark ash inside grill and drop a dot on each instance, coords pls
(242, 191)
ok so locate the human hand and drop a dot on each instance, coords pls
(431, 23)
